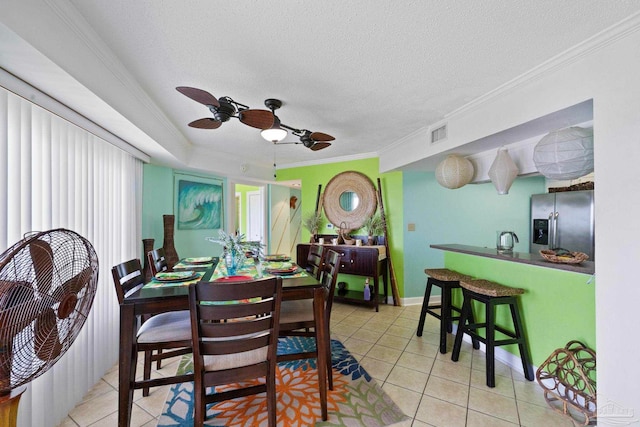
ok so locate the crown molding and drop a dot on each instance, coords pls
(594, 43)
(76, 22)
(422, 132)
(361, 156)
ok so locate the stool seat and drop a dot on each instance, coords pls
(446, 275)
(489, 288)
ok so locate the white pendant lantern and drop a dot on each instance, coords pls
(454, 172)
(503, 171)
(565, 153)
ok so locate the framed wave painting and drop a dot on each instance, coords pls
(198, 203)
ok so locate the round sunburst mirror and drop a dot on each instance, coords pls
(349, 198)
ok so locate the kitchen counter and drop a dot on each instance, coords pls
(585, 267)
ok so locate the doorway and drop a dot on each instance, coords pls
(255, 216)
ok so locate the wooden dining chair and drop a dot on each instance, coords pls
(297, 318)
(314, 261)
(160, 332)
(235, 336)
(157, 261)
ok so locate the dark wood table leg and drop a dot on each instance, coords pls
(321, 331)
(127, 364)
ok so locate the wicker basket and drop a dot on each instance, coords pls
(576, 258)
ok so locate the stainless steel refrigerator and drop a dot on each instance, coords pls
(563, 220)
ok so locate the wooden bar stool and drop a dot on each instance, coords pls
(492, 294)
(446, 280)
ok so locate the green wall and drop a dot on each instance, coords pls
(557, 307)
(157, 200)
(312, 176)
(470, 215)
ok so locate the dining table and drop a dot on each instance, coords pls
(158, 296)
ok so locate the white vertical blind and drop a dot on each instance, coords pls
(55, 174)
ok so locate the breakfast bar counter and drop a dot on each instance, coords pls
(558, 304)
(585, 267)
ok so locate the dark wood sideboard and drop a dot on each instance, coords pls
(357, 261)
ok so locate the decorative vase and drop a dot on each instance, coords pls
(314, 238)
(370, 240)
(147, 246)
(233, 261)
(170, 254)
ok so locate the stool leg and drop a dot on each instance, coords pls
(445, 317)
(425, 307)
(490, 341)
(464, 313)
(474, 340)
(522, 342)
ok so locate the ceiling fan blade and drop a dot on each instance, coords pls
(206, 123)
(319, 136)
(261, 119)
(319, 146)
(199, 95)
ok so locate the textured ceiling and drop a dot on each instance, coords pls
(368, 73)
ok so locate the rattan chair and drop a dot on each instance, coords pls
(235, 336)
(160, 332)
(296, 316)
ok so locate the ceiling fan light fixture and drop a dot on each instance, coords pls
(275, 133)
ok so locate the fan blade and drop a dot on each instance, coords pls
(16, 305)
(42, 259)
(199, 95)
(261, 119)
(206, 123)
(320, 145)
(319, 136)
(47, 344)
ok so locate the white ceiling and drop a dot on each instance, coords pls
(368, 73)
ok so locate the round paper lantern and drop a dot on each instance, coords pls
(454, 172)
(503, 171)
(565, 153)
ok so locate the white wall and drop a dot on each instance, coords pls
(604, 69)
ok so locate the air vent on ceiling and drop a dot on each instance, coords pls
(439, 134)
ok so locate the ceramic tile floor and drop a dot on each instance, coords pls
(426, 385)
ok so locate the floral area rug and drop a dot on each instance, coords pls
(356, 399)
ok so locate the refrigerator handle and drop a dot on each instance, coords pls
(550, 244)
(555, 230)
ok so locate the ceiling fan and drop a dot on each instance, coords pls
(273, 130)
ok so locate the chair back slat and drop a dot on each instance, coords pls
(229, 310)
(229, 347)
(218, 329)
(234, 291)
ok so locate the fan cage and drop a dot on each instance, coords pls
(47, 285)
